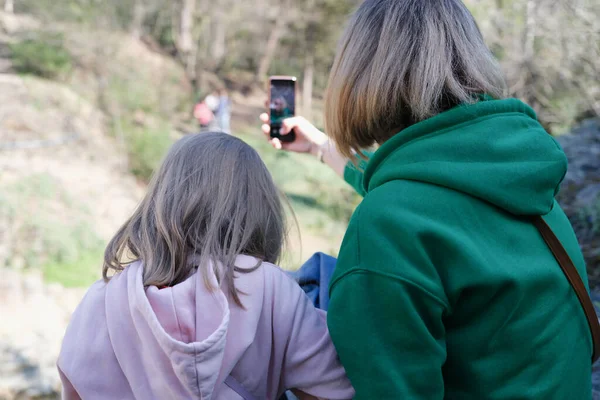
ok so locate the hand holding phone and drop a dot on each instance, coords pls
(282, 105)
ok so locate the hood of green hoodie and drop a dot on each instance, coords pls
(494, 150)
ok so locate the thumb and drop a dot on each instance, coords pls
(290, 123)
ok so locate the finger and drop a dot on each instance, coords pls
(264, 117)
(288, 124)
(276, 143)
(266, 129)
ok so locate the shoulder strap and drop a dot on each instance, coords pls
(238, 388)
(574, 279)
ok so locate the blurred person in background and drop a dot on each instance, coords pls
(223, 111)
(212, 100)
(203, 115)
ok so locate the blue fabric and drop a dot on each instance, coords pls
(223, 114)
(314, 276)
(224, 105)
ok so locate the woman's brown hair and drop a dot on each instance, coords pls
(212, 197)
(400, 62)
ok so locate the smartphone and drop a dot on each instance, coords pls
(282, 105)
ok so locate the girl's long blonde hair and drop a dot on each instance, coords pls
(212, 197)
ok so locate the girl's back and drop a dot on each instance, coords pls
(185, 341)
(191, 305)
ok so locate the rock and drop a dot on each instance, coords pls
(580, 191)
(580, 198)
(595, 295)
(35, 317)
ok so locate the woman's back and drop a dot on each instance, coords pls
(515, 328)
(443, 259)
(185, 341)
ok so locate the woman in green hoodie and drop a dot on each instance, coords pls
(443, 288)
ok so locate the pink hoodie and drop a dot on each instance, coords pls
(124, 342)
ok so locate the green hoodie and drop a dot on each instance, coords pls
(443, 289)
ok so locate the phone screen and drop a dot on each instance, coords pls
(283, 105)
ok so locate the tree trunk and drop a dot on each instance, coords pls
(175, 23)
(530, 30)
(309, 63)
(525, 89)
(218, 45)
(138, 18)
(9, 6)
(272, 43)
(186, 37)
(186, 41)
(307, 85)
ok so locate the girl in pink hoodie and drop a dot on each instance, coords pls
(191, 305)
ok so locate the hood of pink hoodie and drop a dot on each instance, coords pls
(179, 334)
(125, 341)
(170, 335)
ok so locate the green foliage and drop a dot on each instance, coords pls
(316, 32)
(53, 10)
(46, 239)
(75, 273)
(139, 122)
(565, 108)
(146, 147)
(164, 35)
(112, 13)
(43, 55)
(142, 102)
(131, 95)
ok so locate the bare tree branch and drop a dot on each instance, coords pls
(9, 6)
